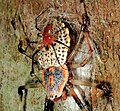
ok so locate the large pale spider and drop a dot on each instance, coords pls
(55, 55)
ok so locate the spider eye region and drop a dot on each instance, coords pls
(48, 39)
(48, 35)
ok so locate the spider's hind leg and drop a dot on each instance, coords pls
(78, 94)
(34, 82)
(20, 92)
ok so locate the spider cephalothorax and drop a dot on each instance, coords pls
(48, 36)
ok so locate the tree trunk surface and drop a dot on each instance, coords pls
(15, 68)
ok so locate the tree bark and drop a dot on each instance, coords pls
(104, 29)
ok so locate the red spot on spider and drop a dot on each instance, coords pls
(48, 35)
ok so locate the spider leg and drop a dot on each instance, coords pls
(33, 62)
(98, 90)
(20, 92)
(76, 98)
(24, 50)
(83, 105)
(27, 86)
(84, 34)
(88, 42)
(77, 65)
(85, 100)
(73, 53)
(105, 87)
(79, 82)
(87, 58)
(36, 25)
(82, 101)
(36, 19)
(69, 91)
(13, 21)
(61, 43)
(33, 84)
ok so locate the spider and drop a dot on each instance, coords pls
(55, 55)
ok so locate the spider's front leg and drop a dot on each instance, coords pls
(21, 49)
(35, 82)
(79, 96)
(26, 49)
(25, 45)
(32, 73)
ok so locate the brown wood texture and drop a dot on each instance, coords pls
(105, 31)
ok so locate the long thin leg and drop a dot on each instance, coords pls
(73, 53)
(36, 19)
(33, 62)
(61, 43)
(85, 61)
(88, 42)
(20, 92)
(76, 98)
(84, 32)
(23, 50)
(83, 103)
(33, 84)
(98, 90)
(13, 22)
